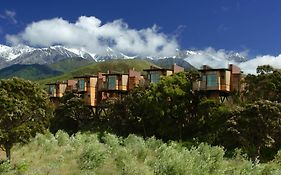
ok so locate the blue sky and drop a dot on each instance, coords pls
(234, 25)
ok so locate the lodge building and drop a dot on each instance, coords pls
(218, 83)
(94, 89)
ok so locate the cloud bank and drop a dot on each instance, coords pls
(221, 58)
(89, 33)
(251, 65)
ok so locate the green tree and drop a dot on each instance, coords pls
(24, 111)
(209, 120)
(265, 69)
(132, 114)
(174, 102)
(71, 115)
(256, 125)
(265, 85)
(164, 109)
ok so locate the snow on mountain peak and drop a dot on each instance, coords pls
(10, 53)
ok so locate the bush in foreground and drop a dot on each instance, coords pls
(108, 154)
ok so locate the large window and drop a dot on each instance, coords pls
(81, 85)
(112, 82)
(52, 90)
(154, 77)
(212, 80)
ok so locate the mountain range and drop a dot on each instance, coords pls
(38, 63)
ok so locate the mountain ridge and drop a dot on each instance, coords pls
(22, 54)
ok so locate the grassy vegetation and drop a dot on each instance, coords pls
(109, 154)
(30, 72)
(37, 71)
(70, 64)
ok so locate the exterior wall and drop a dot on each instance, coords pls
(101, 82)
(134, 79)
(225, 80)
(133, 73)
(235, 82)
(234, 69)
(90, 96)
(168, 73)
(124, 83)
(71, 85)
(177, 69)
(213, 80)
(60, 89)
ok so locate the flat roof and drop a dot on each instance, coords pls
(218, 69)
(157, 69)
(85, 76)
(114, 74)
(56, 83)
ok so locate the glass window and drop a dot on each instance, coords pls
(212, 80)
(81, 85)
(52, 90)
(203, 77)
(112, 82)
(154, 77)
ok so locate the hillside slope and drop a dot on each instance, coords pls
(39, 71)
(118, 65)
(30, 72)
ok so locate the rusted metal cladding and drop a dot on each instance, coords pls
(234, 69)
(71, 85)
(177, 68)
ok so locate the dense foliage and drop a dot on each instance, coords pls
(168, 110)
(171, 110)
(24, 111)
(108, 154)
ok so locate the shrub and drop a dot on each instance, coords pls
(93, 156)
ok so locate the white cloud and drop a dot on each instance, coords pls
(214, 58)
(221, 59)
(90, 34)
(9, 15)
(251, 65)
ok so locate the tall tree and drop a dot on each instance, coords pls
(265, 85)
(174, 100)
(255, 126)
(164, 109)
(24, 111)
(71, 115)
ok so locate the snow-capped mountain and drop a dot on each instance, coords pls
(10, 53)
(28, 55)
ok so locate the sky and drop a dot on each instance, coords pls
(250, 27)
